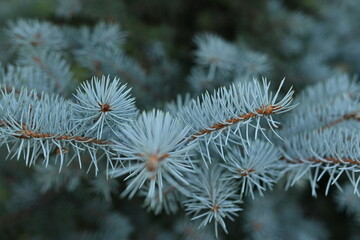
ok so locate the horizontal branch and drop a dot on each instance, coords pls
(264, 110)
(32, 134)
(327, 160)
(28, 134)
(349, 116)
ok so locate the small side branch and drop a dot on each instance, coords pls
(349, 116)
(264, 110)
(327, 160)
(28, 134)
(32, 134)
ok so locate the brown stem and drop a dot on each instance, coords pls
(27, 134)
(264, 110)
(345, 117)
(32, 134)
(325, 160)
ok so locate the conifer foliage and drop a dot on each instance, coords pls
(212, 157)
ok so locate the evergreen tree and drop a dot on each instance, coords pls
(231, 154)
